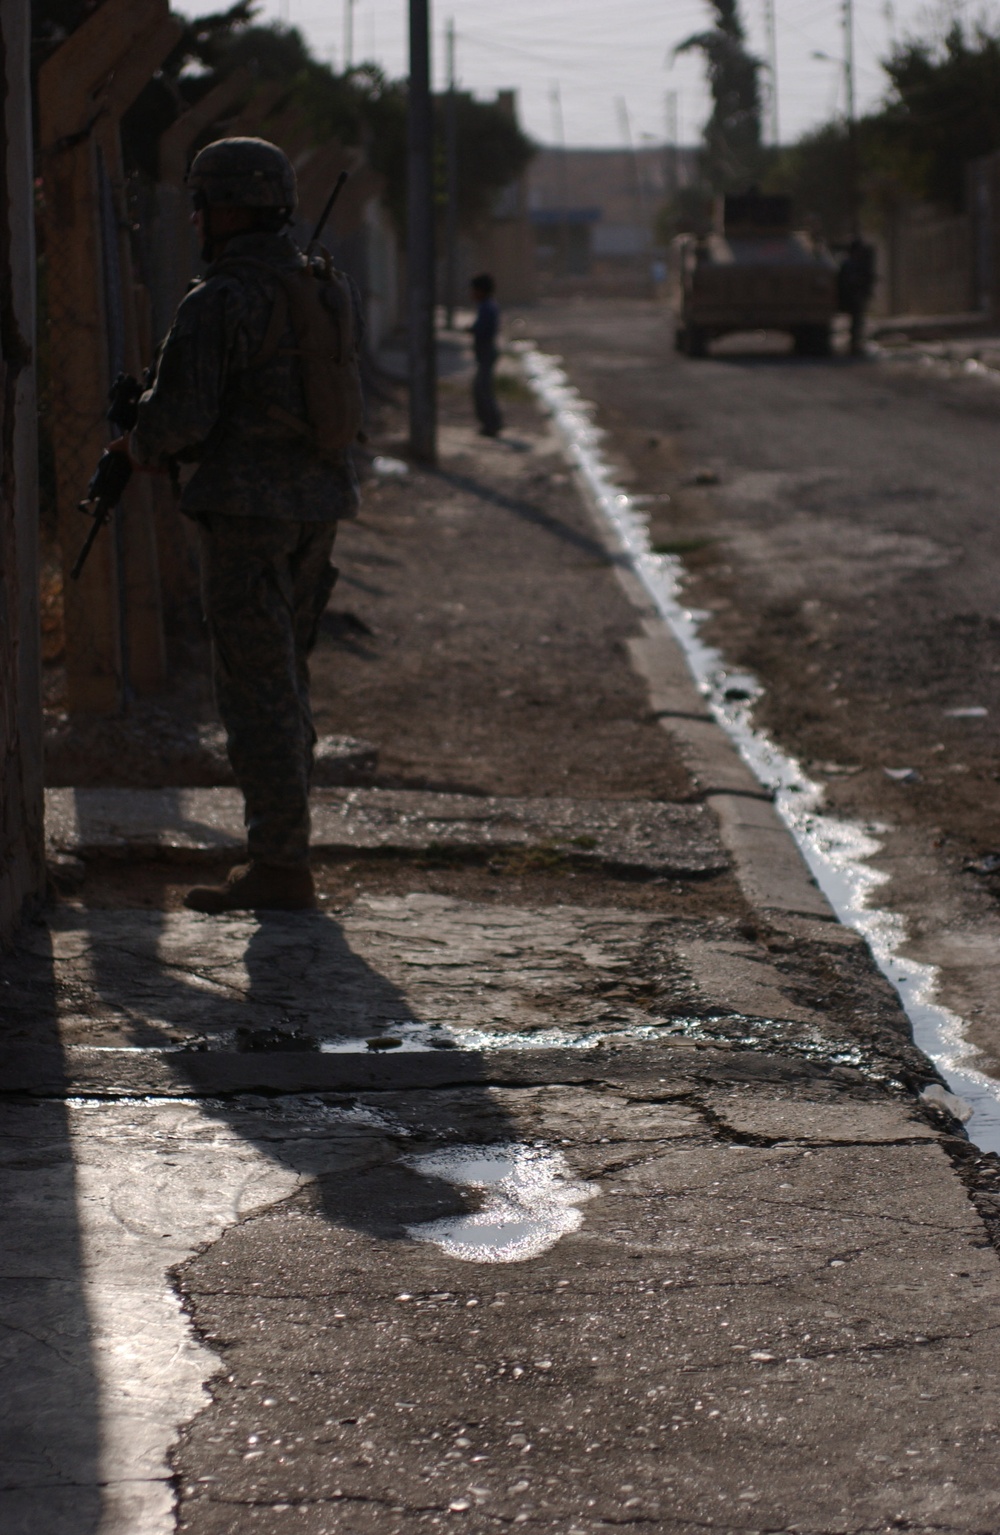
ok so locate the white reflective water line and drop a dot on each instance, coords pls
(530, 1200)
(836, 851)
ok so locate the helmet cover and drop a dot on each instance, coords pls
(243, 173)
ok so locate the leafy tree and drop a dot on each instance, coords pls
(733, 154)
(942, 112)
(942, 109)
(361, 106)
(817, 174)
(492, 152)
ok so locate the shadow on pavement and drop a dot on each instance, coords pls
(258, 1002)
(530, 513)
(49, 1413)
(135, 978)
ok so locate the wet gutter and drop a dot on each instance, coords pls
(836, 851)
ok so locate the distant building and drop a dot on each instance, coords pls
(594, 211)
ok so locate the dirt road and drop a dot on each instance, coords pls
(840, 527)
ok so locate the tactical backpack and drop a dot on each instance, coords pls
(316, 300)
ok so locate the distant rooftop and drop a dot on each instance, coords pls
(622, 185)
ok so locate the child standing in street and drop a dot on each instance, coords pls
(484, 339)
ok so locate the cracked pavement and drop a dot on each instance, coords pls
(530, 1183)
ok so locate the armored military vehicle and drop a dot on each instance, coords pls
(753, 273)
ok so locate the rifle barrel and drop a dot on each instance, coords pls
(329, 207)
(81, 558)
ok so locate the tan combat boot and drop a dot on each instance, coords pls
(257, 887)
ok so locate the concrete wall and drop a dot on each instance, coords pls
(505, 247)
(22, 866)
(930, 262)
(983, 199)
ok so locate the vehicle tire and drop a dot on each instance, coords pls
(824, 341)
(680, 339)
(697, 341)
(812, 341)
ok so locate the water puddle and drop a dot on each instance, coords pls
(529, 1200)
(410, 1035)
(727, 1031)
(837, 852)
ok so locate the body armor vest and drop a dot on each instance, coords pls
(315, 302)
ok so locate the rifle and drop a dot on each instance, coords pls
(328, 209)
(114, 470)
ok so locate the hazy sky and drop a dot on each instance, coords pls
(601, 51)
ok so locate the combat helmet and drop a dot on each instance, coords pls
(243, 173)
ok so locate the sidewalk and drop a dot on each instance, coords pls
(564, 1171)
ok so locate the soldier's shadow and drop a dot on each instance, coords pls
(257, 992)
(146, 978)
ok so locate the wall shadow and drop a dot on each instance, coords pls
(49, 1405)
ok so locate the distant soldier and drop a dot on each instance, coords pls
(258, 383)
(855, 285)
(485, 329)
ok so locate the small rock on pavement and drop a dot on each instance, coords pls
(939, 1098)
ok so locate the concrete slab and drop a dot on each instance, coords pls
(773, 1117)
(683, 1360)
(727, 1300)
(165, 751)
(657, 838)
(739, 978)
(99, 1364)
(712, 759)
(771, 871)
(485, 974)
(77, 1070)
(548, 1112)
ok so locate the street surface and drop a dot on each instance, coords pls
(566, 1171)
(839, 524)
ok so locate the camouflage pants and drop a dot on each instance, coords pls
(265, 584)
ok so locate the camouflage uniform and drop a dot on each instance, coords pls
(268, 505)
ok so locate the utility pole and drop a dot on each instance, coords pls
(348, 35)
(672, 177)
(555, 97)
(772, 59)
(852, 133)
(638, 191)
(848, 18)
(22, 867)
(420, 239)
(451, 175)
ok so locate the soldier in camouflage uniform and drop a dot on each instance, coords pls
(230, 393)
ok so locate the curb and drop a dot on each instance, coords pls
(769, 868)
